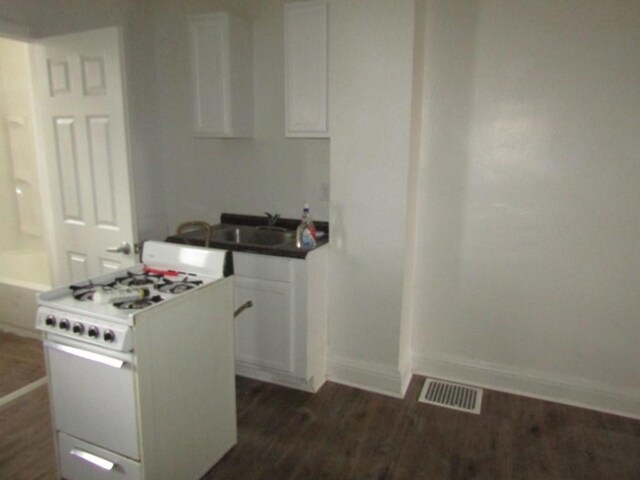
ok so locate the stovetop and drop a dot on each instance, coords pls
(102, 310)
(167, 270)
(85, 298)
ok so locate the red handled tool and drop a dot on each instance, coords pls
(157, 271)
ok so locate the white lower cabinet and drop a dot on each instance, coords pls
(282, 337)
(264, 332)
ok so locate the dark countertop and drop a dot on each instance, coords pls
(288, 250)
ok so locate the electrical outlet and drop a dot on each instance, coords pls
(324, 191)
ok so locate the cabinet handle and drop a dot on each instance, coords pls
(242, 308)
(95, 357)
(92, 459)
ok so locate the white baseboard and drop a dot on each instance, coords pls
(568, 390)
(376, 378)
(311, 385)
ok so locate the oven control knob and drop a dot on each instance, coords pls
(109, 336)
(94, 332)
(50, 321)
(64, 324)
(78, 328)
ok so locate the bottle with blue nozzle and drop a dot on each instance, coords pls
(306, 232)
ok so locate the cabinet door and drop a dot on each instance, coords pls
(210, 70)
(221, 70)
(305, 34)
(265, 332)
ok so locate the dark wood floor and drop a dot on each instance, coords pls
(26, 440)
(21, 362)
(346, 433)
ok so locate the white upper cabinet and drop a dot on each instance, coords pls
(222, 65)
(305, 40)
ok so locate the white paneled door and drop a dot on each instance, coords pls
(80, 98)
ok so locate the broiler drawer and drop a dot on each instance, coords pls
(82, 461)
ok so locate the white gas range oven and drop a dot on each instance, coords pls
(143, 388)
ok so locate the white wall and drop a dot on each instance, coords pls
(144, 125)
(205, 177)
(528, 229)
(370, 63)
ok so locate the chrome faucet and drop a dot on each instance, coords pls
(271, 219)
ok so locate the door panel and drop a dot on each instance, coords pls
(67, 163)
(94, 81)
(79, 92)
(99, 136)
(108, 266)
(77, 265)
(58, 76)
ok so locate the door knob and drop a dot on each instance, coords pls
(124, 248)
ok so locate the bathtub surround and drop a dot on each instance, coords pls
(18, 309)
(23, 274)
(20, 207)
(24, 267)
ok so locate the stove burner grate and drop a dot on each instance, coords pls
(137, 304)
(168, 286)
(138, 279)
(85, 292)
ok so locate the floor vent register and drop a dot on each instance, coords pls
(451, 395)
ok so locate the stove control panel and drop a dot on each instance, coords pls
(106, 334)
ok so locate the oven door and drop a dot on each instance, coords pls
(93, 395)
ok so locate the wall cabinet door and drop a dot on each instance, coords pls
(305, 37)
(222, 82)
(265, 333)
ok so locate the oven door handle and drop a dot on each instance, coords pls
(78, 352)
(92, 459)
